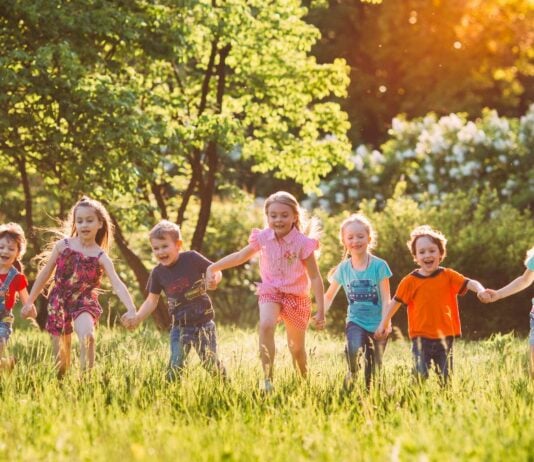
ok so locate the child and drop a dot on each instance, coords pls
(79, 262)
(12, 281)
(518, 284)
(365, 279)
(431, 295)
(181, 275)
(288, 268)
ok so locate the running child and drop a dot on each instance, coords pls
(78, 261)
(365, 279)
(288, 270)
(181, 275)
(12, 283)
(430, 292)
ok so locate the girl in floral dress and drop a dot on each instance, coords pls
(288, 270)
(79, 262)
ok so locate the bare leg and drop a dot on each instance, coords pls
(269, 312)
(61, 351)
(84, 327)
(296, 341)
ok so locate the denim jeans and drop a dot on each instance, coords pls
(203, 339)
(6, 323)
(361, 343)
(427, 350)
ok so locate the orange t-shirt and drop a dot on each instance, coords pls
(432, 302)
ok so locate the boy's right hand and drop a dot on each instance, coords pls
(487, 296)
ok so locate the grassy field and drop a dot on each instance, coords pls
(126, 411)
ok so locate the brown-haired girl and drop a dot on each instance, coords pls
(79, 260)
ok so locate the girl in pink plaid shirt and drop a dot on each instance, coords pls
(288, 270)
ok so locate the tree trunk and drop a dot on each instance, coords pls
(161, 313)
(30, 232)
(208, 189)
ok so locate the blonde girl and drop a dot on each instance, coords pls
(78, 261)
(518, 284)
(288, 270)
(12, 283)
(365, 279)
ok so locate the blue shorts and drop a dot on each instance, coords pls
(531, 335)
(5, 327)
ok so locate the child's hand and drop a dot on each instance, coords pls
(212, 279)
(130, 320)
(28, 311)
(487, 296)
(319, 321)
(382, 332)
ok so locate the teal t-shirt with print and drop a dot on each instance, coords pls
(530, 263)
(362, 289)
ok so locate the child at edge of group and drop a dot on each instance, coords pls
(78, 260)
(12, 282)
(518, 284)
(365, 279)
(288, 270)
(430, 292)
(181, 275)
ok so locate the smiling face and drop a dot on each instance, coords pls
(427, 255)
(9, 251)
(280, 218)
(87, 223)
(356, 238)
(166, 249)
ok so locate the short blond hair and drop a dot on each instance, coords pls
(166, 228)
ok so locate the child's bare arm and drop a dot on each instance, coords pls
(330, 294)
(317, 287)
(385, 295)
(475, 286)
(42, 278)
(118, 286)
(27, 311)
(518, 284)
(232, 260)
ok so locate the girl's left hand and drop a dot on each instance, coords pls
(29, 311)
(319, 321)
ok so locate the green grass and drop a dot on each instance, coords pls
(126, 410)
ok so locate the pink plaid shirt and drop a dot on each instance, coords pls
(282, 266)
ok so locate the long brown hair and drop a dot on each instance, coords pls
(15, 233)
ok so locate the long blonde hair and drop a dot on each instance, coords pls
(306, 225)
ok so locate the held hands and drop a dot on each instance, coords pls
(319, 321)
(130, 320)
(382, 331)
(488, 296)
(28, 311)
(212, 279)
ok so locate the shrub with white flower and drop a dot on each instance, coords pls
(436, 156)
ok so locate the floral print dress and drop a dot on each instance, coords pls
(75, 290)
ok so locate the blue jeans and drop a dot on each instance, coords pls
(6, 323)
(203, 339)
(361, 343)
(427, 350)
(531, 334)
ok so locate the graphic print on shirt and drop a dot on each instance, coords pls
(362, 290)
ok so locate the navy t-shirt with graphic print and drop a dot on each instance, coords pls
(182, 282)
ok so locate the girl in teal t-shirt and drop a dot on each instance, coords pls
(365, 279)
(518, 284)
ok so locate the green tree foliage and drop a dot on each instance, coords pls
(418, 56)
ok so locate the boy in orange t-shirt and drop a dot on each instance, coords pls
(430, 292)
